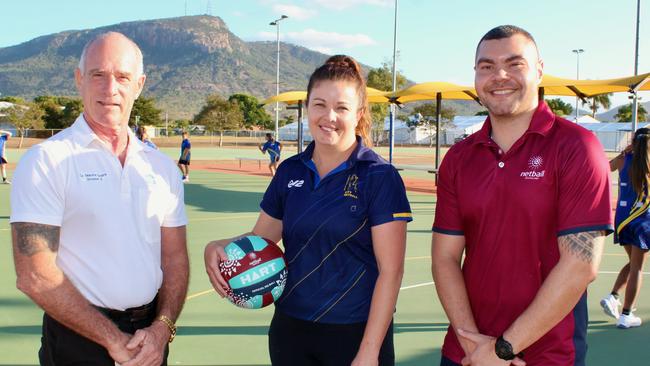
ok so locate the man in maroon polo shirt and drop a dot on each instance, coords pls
(527, 200)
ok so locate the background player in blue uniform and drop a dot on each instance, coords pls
(632, 226)
(4, 136)
(274, 148)
(341, 212)
(184, 160)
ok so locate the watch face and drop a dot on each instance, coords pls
(503, 349)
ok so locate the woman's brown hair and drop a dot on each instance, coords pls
(640, 170)
(342, 67)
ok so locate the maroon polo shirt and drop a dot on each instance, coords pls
(511, 207)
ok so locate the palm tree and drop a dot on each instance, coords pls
(625, 113)
(597, 101)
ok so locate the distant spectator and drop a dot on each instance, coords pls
(184, 161)
(144, 137)
(4, 136)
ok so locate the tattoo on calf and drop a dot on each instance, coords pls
(580, 244)
(33, 238)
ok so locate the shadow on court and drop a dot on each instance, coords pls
(609, 345)
(219, 200)
(225, 330)
(17, 301)
(21, 329)
(420, 327)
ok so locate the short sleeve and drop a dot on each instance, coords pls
(388, 201)
(37, 192)
(448, 219)
(176, 215)
(273, 201)
(584, 202)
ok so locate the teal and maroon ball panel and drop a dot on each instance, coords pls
(256, 272)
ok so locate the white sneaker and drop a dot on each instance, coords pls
(610, 306)
(186, 180)
(628, 321)
(6, 181)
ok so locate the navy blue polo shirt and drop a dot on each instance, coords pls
(327, 232)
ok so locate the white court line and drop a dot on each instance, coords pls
(401, 288)
(416, 285)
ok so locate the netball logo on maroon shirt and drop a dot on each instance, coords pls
(534, 164)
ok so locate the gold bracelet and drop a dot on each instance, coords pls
(170, 324)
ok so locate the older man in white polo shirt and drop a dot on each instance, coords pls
(98, 225)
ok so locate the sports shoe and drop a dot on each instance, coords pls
(610, 306)
(186, 180)
(628, 321)
(6, 181)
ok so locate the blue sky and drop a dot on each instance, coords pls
(436, 39)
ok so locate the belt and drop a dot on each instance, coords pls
(133, 314)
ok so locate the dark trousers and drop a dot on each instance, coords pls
(295, 342)
(62, 346)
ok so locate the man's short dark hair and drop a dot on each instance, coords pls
(269, 135)
(505, 31)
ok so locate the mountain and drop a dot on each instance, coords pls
(186, 59)
(609, 115)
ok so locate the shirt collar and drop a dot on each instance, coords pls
(84, 136)
(541, 123)
(360, 153)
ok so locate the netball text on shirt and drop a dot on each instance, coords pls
(534, 164)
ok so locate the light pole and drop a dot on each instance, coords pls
(577, 52)
(635, 97)
(276, 23)
(391, 120)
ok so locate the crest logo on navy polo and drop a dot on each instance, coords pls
(535, 172)
(351, 189)
(295, 183)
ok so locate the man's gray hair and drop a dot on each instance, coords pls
(99, 37)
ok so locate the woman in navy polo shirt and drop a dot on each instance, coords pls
(341, 212)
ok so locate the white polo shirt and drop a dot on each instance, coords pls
(110, 216)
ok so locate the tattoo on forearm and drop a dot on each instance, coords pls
(32, 238)
(580, 244)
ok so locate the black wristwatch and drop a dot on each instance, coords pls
(503, 349)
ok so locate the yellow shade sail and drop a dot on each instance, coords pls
(587, 88)
(293, 97)
(429, 90)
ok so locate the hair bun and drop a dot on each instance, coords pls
(343, 61)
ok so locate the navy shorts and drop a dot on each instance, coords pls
(183, 162)
(3, 160)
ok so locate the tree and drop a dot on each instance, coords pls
(624, 113)
(425, 115)
(382, 78)
(254, 113)
(146, 112)
(595, 102)
(288, 119)
(59, 112)
(71, 110)
(559, 107)
(24, 117)
(182, 124)
(482, 113)
(14, 100)
(218, 114)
